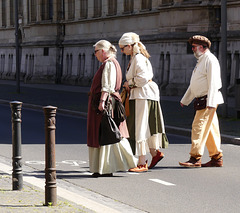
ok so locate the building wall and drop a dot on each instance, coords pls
(57, 37)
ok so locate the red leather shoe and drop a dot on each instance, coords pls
(140, 168)
(156, 159)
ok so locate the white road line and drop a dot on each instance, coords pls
(71, 196)
(163, 182)
(84, 173)
(132, 173)
(69, 162)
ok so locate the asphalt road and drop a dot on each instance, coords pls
(167, 188)
(69, 129)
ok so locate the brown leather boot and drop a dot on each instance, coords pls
(214, 163)
(193, 162)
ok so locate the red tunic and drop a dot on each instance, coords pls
(94, 119)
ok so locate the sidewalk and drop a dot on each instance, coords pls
(30, 199)
(32, 196)
(73, 100)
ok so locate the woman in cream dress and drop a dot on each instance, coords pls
(145, 122)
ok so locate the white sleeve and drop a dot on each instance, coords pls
(109, 77)
(188, 97)
(214, 82)
(143, 71)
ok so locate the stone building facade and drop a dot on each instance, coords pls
(57, 36)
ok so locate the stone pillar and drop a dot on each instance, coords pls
(66, 9)
(25, 12)
(77, 9)
(55, 11)
(39, 18)
(120, 7)
(7, 13)
(137, 6)
(155, 4)
(104, 8)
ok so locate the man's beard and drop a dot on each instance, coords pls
(197, 53)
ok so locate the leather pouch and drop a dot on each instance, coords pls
(200, 103)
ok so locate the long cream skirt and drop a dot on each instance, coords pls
(112, 158)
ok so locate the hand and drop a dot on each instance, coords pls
(181, 104)
(126, 86)
(101, 106)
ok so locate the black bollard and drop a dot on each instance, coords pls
(17, 176)
(50, 162)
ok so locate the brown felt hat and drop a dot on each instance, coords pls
(201, 40)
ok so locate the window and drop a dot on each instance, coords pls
(33, 11)
(189, 48)
(146, 4)
(71, 9)
(20, 7)
(168, 67)
(237, 65)
(161, 68)
(12, 13)
(193, 1)
(97, 8)
(83, 8)
(46, 9)
(112, 7)
(60, 9)
(26, 65)
(10, 64)
(2, 64)
(4, 13)
(94, 67)
(128, 6)
(168, 2)
(81, 65)
(45, 51)
(31, 65)
(68, 66)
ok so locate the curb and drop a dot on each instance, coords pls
(38, 107)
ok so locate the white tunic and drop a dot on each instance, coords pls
(139, 75)
(205, 80)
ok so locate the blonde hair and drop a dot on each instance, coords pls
(143, 50)
(105, 45)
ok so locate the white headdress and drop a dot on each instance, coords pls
(130, 39)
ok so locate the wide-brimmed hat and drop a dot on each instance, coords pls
(201, 40)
